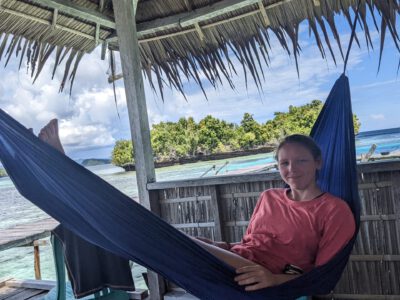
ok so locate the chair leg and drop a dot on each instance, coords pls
(60, 267)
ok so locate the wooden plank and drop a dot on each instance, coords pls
(25, 294)
(138, 294)
(193, 225)
(375, 185)
(36, 262)
(124, 13)
(26, 234)
(38, 297)
(203, 14)
(238, 195)
(391, 217)
(31, 284)
(236, 223)
(358, 296)
(136, 101)
(186, 199)
(46, 22)
(386, 165)
(4, 280)
(217, 214)
(370, 167)
(6, 292)
(46, 285)
(215, 180)
(381, 258)
(74, 10)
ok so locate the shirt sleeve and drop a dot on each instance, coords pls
(338, 229)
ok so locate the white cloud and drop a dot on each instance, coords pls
(378, 116)
(89, 120)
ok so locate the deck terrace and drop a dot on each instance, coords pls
(26, 234)
(12, 289)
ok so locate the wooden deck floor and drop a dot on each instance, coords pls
(11, 289)
(24, 289)
(26, 234)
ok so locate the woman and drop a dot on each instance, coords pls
(291, 231)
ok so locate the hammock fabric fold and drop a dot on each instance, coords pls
(102, 215)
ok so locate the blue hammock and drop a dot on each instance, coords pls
(104, 216)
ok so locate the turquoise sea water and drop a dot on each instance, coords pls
(14, 209)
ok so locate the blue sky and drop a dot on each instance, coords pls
(89, 124)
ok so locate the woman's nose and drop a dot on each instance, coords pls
(292, 166)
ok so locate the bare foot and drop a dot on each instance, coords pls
(49, 135)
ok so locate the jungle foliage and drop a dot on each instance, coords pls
(186, 138)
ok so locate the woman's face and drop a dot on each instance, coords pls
(297, 166)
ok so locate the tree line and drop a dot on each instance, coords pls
(186, 138)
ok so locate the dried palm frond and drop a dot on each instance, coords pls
(203, 50)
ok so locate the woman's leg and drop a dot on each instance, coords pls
(232, 259)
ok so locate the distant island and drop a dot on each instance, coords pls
(95, 161)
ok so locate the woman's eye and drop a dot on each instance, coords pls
(284, 163)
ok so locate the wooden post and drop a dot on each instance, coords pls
(36, 259)
(216, 208)
(124, 13)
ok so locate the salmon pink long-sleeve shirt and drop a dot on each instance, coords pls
(302, 233)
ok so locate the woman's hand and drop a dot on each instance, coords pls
(255, 277)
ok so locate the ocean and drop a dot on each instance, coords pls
(14, 209)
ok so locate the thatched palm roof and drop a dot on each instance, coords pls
(181, 37)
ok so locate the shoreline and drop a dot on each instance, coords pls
(197, 158)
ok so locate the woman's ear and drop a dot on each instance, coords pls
(319, 163)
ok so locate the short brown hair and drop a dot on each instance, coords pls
(303, 140)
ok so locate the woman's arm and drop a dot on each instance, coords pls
(222, 244)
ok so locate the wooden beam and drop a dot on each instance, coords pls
(199, 32)
(104, 46)
(215, 180)
(383, 257)
(188, 5)
(194, 225)
(266, 20)
(101, 5)
(217, 211)
(185, 19)
(31, 284)
(203, 14)
(54, 21)
(36, 262)
(358, 296)
(69, 8)
(49, 284)
(131, 66)
(46, 22)
(3, 280)
(135, 3)
(135, 97)
(96, 35)
(369, 167)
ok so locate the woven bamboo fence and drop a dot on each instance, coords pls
(220, 208)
